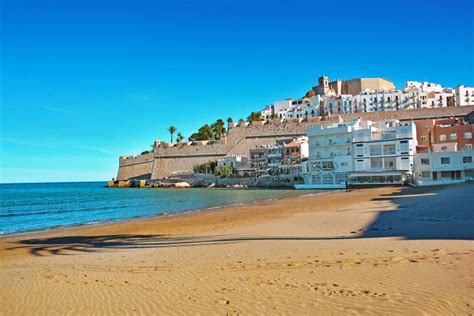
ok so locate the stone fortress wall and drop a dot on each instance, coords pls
(351, 86)
(169, 160)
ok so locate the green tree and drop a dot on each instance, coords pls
(171, 130)
(204, 133)
(218, 128)
(254, 116)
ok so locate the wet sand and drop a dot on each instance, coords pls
(388, 250)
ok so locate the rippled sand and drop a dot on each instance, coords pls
(371, 251)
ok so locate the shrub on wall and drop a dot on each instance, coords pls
(208, 167)
(224, 171)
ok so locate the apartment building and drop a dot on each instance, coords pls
(443, 167)
(330, 156)
(383, 152)
(464, 95)
(445, 152)
(293, 154)
(284, 157)
(444, 132)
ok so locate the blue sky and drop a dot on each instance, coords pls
(83, 82)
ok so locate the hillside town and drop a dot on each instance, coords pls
(342, 133)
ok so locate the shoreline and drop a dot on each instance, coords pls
(391, 250)
(156, 216)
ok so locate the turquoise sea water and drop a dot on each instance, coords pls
(45, 206)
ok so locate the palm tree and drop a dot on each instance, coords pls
(218, 128)
(229, 121)
(171, 130)
(180, 137)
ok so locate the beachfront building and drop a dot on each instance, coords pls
(444, 151)
(444, 133)
(383, 152)
(444, 165)
(284, 157)
(293, 154)
(236, 162)
(330, 156)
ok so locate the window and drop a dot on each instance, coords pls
(328, 165)
(376, 163)
(375, 150)
(442, 138)
(445, 174)
(453, 136)
(423, 139)
(404, 147)
(468, 146)
(426, 174)
(425, 161)
(445, 160)
(467, 159)
(389, 149)
(467, 135)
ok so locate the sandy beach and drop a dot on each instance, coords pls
(390, 250)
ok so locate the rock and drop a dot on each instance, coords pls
(182, 185)
(224, 302)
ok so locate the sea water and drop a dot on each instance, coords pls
(45, 206)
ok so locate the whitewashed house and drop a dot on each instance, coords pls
(464, 95)
(330, 156)
(383, 152)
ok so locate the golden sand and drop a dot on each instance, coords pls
(371, 251)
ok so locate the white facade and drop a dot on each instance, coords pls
(423, 86)
(444, 167)
(383, 152)
(234, 161)
(330, 156)
(414, 95)
(464, 95)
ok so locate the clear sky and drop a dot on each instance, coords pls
(83, 82)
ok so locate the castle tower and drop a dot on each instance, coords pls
(323, 86)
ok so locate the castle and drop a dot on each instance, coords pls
(352, 86)
(174, 159)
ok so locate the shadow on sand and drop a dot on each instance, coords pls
(418, 213)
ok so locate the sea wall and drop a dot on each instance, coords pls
(170, 160)
(139, 167)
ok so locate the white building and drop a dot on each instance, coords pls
(443, 167)
(423, 86)
(234, 161)
(330, 156)
(383, 152)
(464, 95)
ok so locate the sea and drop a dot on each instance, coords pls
(36, 207)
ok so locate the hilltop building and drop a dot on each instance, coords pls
(368, 95)
(352, 86)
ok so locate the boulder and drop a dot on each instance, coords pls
(182, 185)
